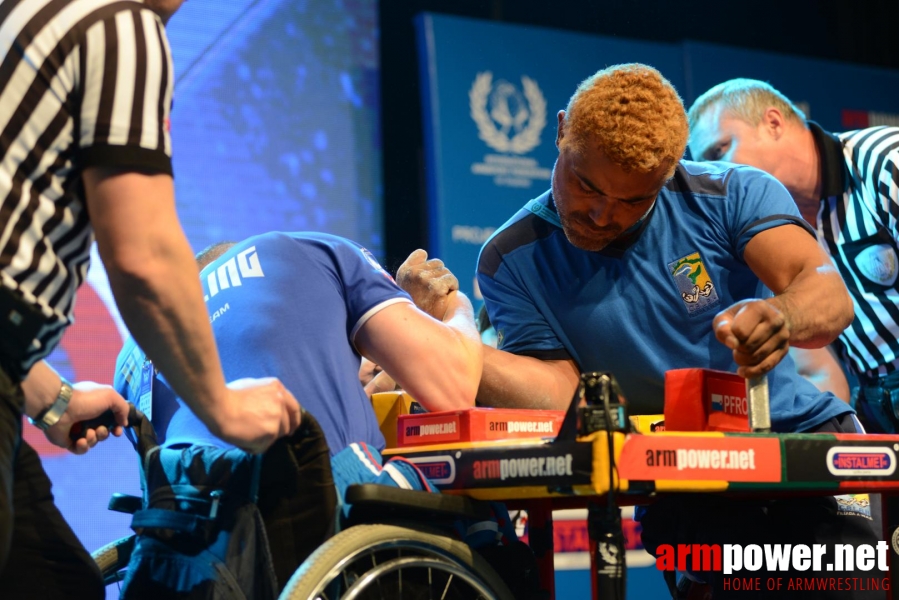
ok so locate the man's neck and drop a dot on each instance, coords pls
(803, 179)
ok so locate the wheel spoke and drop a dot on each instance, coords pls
(449, 580)
(345, 576)
(374, 563)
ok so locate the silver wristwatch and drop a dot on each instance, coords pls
(50, 415)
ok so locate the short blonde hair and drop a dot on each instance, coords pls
(633, 114)
(746, 99)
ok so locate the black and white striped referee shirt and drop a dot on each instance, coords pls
(82, 83)
(858, 222)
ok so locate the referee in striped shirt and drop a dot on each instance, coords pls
(847, 186)
(85, 152)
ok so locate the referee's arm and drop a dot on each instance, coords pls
(155, 280)
(123, 153)
(156, 284)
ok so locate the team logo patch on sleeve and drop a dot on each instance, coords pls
(694, 284)
(375, 264)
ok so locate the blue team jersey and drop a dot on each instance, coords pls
(645, 304)
(284, 305)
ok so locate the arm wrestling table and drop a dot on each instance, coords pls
(542, 475)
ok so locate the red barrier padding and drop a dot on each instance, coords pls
(705, 400)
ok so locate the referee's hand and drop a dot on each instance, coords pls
(89, 401)
(256, 413)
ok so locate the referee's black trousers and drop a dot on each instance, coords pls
(40, 557)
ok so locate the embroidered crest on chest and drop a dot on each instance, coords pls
(694, 283)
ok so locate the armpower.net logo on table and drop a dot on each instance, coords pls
(514, 468)
(431, 429)
(734, 459)
(681, 459)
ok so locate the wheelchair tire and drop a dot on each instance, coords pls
(374, 556)
(113, 559)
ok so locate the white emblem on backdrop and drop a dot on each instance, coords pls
(509, 120)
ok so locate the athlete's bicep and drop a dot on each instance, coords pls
(779, 255)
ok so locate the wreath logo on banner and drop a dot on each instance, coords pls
(508, 120)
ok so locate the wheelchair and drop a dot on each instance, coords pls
(392, 547)
(396, 544)
(393, 544)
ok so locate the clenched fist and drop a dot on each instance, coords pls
(429, 282)
(757, 332)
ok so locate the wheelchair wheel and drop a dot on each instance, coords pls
(373, 562)
(113, 559)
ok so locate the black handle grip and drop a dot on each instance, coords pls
(79, 429)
